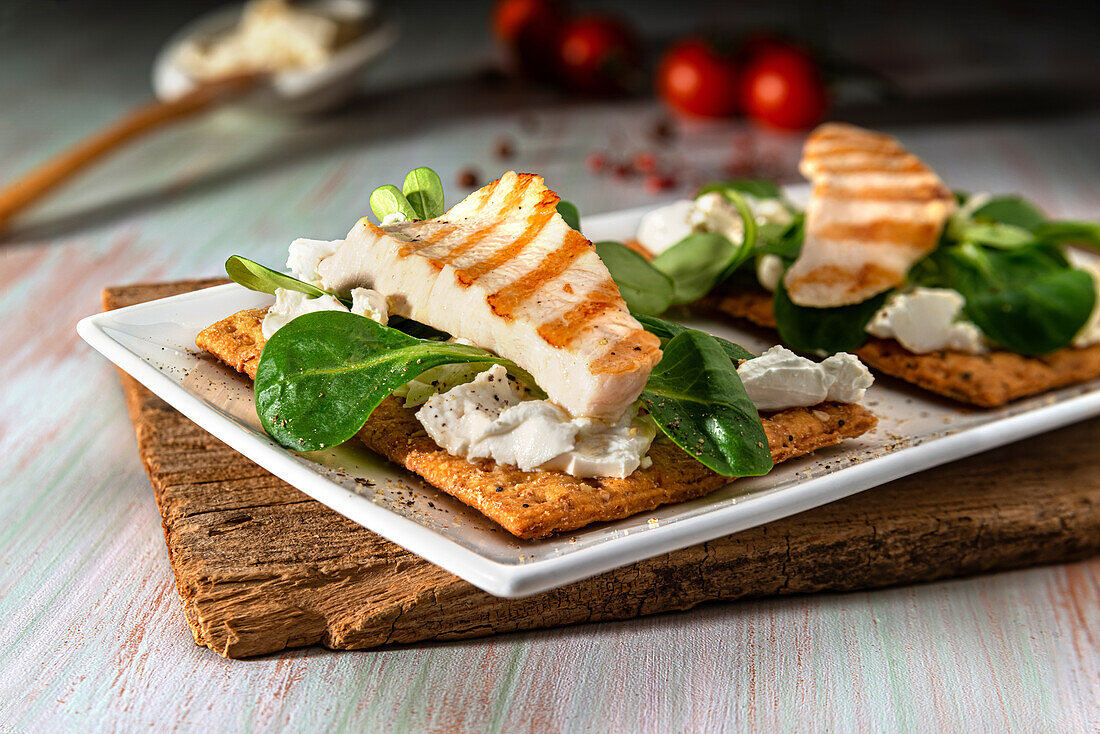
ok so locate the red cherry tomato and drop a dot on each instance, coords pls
(696, 79)
(531, 29)
(783, 88)
(511, 17)
(598, 54)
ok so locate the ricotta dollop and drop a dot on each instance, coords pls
(769, 271)
(289, 305)
(928, 320)
(305, 255)
(779, 379)
(491, 417)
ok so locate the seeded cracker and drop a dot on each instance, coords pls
(987, 380)
(537, 504)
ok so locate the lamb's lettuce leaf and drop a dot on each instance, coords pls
(424, 192)
(697, 400)
(644, 288)
(823, 330)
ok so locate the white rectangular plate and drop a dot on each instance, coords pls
(154, 342)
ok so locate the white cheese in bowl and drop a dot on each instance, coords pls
(273, 35)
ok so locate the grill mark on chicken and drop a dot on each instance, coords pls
(869, 276)
(626, 353)
(447, 228)
(506, 301)
(510, 201)
(879, 232)
(876, 164)
(921, 193)
(567, 328)
(543, 213)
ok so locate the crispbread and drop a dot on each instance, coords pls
(537, 504)
(987, 380)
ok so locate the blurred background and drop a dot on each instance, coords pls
(620, 103)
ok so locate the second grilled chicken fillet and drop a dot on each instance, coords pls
(504, 271)
(876, 209)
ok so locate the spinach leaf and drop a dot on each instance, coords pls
(702, 260)
(570, 214)
(323, 374)
(256, 277)
(829, 330)
(424, 192)
(1011, 210)
(696, 398)
(993, 234)
(388, 199)
(757, 188)
(644, 288)
(668, 330)
(696, 264)
(1070, 232)
(784, 240)
(1026, 300)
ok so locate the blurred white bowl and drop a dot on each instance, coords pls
(295, 92)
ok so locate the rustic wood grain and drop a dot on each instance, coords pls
(261, 567)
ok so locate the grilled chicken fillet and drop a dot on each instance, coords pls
(876, 209)
(503, 270)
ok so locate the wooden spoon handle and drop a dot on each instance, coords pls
(35, 184)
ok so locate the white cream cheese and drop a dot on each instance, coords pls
(272, 35)
(663, 227)
(769, 270)
(1090, 332)
(927, 320)
(492, 418)
(714, 213)
(289, 305)
(371, 304)
(393, 218)
(305, 255)
(780, 379)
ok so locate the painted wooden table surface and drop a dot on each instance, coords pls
(92, 633)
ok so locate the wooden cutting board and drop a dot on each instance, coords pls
(261, 567)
